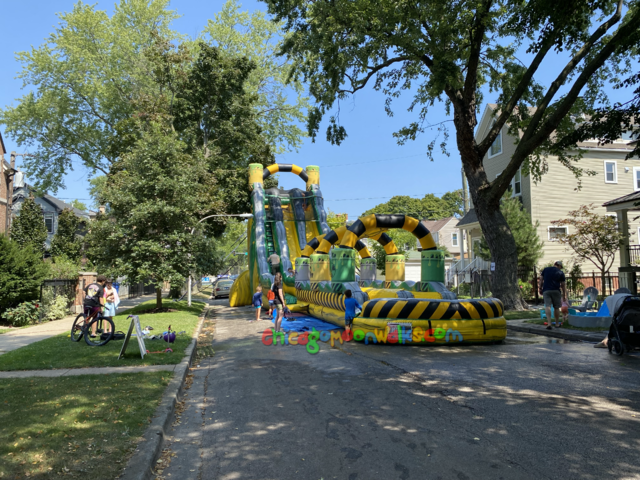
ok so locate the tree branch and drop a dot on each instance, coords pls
(573, 63)
(532, 138)
(373, 70)
(507, 110)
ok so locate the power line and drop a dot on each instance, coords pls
(371, 161)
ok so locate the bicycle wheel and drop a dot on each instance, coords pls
(101, 338)
(77, 330)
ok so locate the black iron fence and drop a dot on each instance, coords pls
(480, 284)
(634, 254)
(57, 287)
(140, 289)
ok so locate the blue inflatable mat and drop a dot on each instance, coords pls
(305, 324)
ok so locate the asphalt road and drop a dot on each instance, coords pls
(532, 408)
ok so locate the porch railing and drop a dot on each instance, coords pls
(634, 254)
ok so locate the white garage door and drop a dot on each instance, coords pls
(412, 272)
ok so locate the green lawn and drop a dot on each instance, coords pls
(83, 426)
(570, 327)
(518, 315)
(61, 352)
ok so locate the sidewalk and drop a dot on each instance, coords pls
(565, 333)
(68, 372)
(25, 336)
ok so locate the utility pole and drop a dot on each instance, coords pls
(465, 197)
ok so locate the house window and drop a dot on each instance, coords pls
(636, 179)
(496, 146)
(556, 232)
(454, 239)
(610, 171)
(517, 184)
(628, 136)
(48, 221)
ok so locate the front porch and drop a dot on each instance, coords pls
(629, 254)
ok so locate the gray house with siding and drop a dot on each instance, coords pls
(51, 208)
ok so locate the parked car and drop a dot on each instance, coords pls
(221, 288)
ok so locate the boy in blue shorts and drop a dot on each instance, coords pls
(350, 305)
(257, 302)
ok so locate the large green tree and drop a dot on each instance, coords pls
(442, 50)
(429, 206)
(155, 198)
(80, 83)
(66, 242)
(28, 228)
(187, 149)
(525, 233)
(280, 106)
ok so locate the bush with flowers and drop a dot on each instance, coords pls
(24, 314)
(526, 289)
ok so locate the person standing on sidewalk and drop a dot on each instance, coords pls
(554, 291)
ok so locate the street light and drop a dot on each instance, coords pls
(241, 215)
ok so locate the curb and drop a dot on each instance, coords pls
(577, 336)
(148, 450)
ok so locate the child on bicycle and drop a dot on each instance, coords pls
(93, 302)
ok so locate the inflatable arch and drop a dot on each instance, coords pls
(378, 221)
(322, 243)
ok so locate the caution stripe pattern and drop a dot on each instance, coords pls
(285, 168)
(422, 309)
(330, 300)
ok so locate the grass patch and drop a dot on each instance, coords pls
(571, 327)
(61, 352)
(518, 315)
(84, 426)
(13, 329)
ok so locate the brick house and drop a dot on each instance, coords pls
(5, 187)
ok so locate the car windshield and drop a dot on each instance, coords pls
(225, 284)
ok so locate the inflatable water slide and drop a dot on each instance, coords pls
(293, 224)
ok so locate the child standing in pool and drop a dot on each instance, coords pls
(350, 305)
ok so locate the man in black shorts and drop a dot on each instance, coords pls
(94, 301)
(554, 290)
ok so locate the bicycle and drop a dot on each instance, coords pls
(82, 328)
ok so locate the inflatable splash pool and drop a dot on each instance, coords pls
(292, 223)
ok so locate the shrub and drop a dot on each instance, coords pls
(21, 273)
(526, 289)
(62, 267)
(24, 314)
(56, 309)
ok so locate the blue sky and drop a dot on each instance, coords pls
(367, 169)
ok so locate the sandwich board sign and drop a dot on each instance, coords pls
(135, 321)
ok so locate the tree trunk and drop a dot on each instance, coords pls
(603, 279)
(502, 245)
(158, 298)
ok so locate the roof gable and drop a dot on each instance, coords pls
(3, 149)
(437, 225)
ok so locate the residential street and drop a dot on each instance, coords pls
(531, 408)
